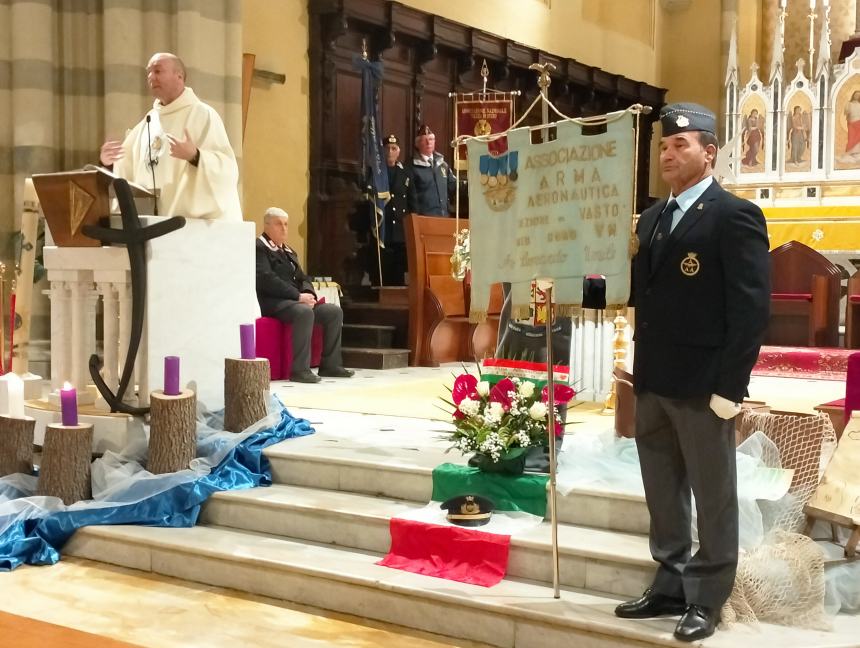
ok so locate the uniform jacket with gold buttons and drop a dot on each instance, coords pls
(701, 314)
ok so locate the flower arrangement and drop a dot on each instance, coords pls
(500, 420)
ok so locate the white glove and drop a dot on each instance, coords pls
(723, 407)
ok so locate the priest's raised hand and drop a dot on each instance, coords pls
(183, 149)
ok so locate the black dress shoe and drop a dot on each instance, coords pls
(304, 376)
(697, 623)
(651, 604)
(336, 372)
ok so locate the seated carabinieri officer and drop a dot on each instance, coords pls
(701, 285)
(286, 293)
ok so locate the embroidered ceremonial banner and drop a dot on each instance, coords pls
(561, 209)
(372, 157)
(481, 117)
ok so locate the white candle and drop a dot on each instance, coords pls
(15, 390)
(812, 4)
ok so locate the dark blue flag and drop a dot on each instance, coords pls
(372, 161)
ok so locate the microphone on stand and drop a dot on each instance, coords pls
(152, 163)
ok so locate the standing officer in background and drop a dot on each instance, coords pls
(431, 181)
(394, 253)
(701, 283)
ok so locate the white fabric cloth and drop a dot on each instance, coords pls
(209, 190)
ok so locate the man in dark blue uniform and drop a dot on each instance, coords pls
(394, 253)
(701, 284)
(431, 182)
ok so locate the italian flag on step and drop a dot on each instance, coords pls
(424, 542)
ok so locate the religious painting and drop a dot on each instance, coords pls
(753, 116)
(846, 146)
(798, 129)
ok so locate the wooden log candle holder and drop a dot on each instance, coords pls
(246, 385)
(66, 462)
(16, 444)
(172, 431)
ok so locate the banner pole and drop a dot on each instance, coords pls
(550, 429)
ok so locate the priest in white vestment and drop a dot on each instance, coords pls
(183, 142)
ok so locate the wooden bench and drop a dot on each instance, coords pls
(804, 303)
(439, 327)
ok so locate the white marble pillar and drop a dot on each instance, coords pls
(591, 364)
(60, 325)
(124, 298)
(110, 374)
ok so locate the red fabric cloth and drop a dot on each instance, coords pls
(854, 299)
(274, 341)
(457, 553)
(852, 385)
(268, 344)
(808, 362)
(792, 296)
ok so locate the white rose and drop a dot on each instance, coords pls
(538, 411)
(483, 388)
(526, 388)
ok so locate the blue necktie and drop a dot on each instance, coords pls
(661, 237)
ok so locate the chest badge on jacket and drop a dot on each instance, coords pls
(690, 265)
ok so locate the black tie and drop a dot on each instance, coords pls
(661, 236)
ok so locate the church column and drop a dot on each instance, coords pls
(857, 22)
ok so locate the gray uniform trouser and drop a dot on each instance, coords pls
(684, 446)
(303, 318)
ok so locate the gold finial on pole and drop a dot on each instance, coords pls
(485, 74)
(544, 79)
(364, 47)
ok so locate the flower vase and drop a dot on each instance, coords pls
(513, 462)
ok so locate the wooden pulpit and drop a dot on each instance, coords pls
(72, 199)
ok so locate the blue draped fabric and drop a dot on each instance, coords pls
(372, 161)
(38, 541)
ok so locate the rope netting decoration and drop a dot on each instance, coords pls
(782, 580)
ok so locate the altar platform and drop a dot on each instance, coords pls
(314, 536)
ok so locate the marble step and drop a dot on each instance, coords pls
(513, 614)
(375, 358)
(605, 561)
(374, 336)
(403, 470)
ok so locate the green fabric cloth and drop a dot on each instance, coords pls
(525, 492)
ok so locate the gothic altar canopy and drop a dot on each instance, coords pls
(792, 143)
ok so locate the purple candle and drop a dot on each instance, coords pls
(246, 337)
(69, 405)
(171, 375)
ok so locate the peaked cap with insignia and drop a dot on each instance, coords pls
(391, 139)
(684, 117)
(468, 510)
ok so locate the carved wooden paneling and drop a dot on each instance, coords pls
(425, 58)
(348, 125)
